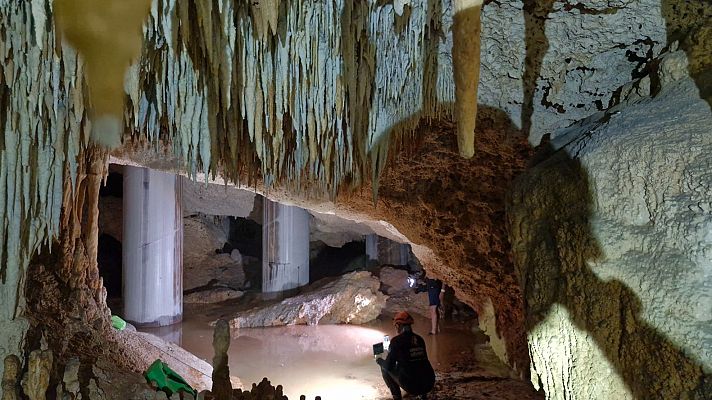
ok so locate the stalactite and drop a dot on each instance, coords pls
(310, 93)
(108, 36)
(11, 378)
(312, 97)
(466, 67)
(42, 133)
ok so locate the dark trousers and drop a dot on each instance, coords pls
(392, 383)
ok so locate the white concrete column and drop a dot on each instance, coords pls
(285, 247)
(152, 247)
(372, 246)
(393, 253)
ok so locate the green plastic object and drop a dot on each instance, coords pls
(167, 380)
(118, 323)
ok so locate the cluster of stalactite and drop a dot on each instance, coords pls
(66, 298)
(310, 93)
(42, 131)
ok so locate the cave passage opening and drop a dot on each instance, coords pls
(317, 353)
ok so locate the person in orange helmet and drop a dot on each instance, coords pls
(407, 365)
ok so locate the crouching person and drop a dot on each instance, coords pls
(407, 365)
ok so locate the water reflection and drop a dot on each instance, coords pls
(172, 334)
(333, 361)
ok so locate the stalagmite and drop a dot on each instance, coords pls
(108, 36)
(11, 378)
(69, 387)
(222, 389)
(466, 68)
(39, 372)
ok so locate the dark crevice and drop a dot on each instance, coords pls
(581, 7)
(546, 103)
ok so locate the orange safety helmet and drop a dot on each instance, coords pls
(403, 318)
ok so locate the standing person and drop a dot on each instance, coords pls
(435, 298)
(407, 365)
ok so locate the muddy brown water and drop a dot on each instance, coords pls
(332, 361)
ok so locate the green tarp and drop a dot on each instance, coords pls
(166, 379)
(118, 323)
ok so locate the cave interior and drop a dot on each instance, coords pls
(244, 190)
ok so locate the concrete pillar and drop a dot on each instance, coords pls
(372, 246)
(285, 247)
(392, 253)
(152, 248)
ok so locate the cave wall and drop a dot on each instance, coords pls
(611, 238)
(42, 122)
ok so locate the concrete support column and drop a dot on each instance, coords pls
(285, 247)
(388, 252)
(372, 246)
(152, 247)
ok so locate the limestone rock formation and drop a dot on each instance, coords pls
(146, 348)
(394, 280)
(215, 295)
(111, 217)
(466, 69)
(202, 236)
(108, 36)
(69, 388)
(335, 231)
(400, 295)
(354, 298)
(222, 390)
(263, 390)
(223, 200)
(39, 371)
(611, 239)
(11, 378)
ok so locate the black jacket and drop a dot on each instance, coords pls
(408, 362)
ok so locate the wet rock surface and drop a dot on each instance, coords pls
(351, 299)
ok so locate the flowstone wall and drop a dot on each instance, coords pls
(611, 238)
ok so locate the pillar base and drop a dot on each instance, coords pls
(162, 321)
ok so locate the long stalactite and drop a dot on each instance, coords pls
(466, 67)
(310, 93)
(43, 130)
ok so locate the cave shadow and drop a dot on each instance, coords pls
(536, 13)
(555, 249)
(685, 22)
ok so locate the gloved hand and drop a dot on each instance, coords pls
(380, 361)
